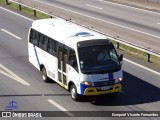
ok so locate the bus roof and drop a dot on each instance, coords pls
(64, 31)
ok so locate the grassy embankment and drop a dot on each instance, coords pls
(24, 9)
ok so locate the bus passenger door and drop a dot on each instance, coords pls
(65, 67)
(62, 65)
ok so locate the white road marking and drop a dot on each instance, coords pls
(100, 19)
(16, 14)
(61, 108)
(141, 66)
(148, 69)
(11, 34)
(10, 74)
(94, 6)
(136, 8)
(158, 23)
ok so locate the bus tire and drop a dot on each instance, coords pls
(73, 92)
(44, 75)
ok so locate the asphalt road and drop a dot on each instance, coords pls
(134, 25)
(21, 82)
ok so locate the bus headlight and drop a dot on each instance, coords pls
(87, 83)
(120, 79)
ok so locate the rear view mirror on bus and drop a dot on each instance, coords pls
(121, 57)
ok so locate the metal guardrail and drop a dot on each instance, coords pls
(116, 39)
(143, 1)
(154, 1)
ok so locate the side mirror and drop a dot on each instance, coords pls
(121, 57)
(72, 62)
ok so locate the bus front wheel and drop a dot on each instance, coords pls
(73, 92)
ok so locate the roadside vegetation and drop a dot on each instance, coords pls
(138, 54)
(125, 49)
(24, 9)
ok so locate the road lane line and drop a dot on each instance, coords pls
(12, 75)
(61, 108)
(141, 66)
(94, 6)
(16, 14)
(100, 19)
(11, 34)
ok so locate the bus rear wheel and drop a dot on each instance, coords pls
(44, 75)
(73, 92)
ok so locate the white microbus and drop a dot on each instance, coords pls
(82, 61)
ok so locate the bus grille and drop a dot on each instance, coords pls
(104, 83)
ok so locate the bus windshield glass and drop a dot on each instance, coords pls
(98, 59)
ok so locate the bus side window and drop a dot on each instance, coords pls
(52, 46)
(55, 46)
(45, 43)
(36, 40)
(73, 60)
(32, 36)
(41, 41)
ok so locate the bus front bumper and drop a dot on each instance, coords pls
(95, 91)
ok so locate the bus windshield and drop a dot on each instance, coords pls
(98, 59)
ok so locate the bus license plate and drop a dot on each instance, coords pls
(105, 88)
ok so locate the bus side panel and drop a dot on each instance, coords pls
(52, 67)
(49, 62)
(73, 76)
(39, 57)
(32, 55)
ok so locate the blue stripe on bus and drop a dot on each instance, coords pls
(82, 88)
(110, 75)
(35, 51)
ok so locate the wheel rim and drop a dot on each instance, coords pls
(73, 92)
(44, 75)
